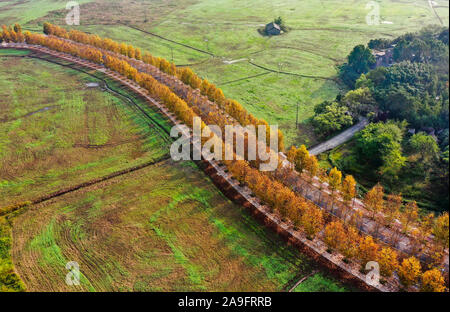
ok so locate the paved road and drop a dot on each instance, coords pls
(339, 139)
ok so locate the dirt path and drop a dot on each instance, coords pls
(339, 139)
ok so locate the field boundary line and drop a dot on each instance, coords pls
(99, 180)
(167, 39)
(90, 183)
(292, 74)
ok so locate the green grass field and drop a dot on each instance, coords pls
(13, 52)
(174, 232)
(322, 34)
(56, 132)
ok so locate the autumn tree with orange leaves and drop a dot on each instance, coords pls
(432, 281)
(334, 235)
(392, 208)
(388, 261)
(368, 250)
(312, 221)
(409, 271)
(349, 247)
(410, 215)
(373, 200)
(311, 167)
(278, 196)
(348, 189)
(441, 230)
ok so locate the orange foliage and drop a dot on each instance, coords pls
(409, 271)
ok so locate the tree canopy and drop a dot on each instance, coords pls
(379, 145)
(359, 61)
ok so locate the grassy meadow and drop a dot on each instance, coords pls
(175, 232)
(321, 34)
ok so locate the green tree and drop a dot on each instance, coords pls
(363, 82)
(359, 62)
(359, 101)
(425, 146)
(333, 118)
(379, 145)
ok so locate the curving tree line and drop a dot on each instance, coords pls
(185, 74)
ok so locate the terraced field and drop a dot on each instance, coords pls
(164, 227)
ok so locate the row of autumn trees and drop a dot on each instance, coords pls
(386, 209)
(185, 74)
(282, 200)
(338, 236)
(12, 34)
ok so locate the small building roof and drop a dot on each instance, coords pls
(378, 53)
(273, 25)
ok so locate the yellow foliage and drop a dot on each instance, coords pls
(388, 261)
(432, 281)
(409, 271)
